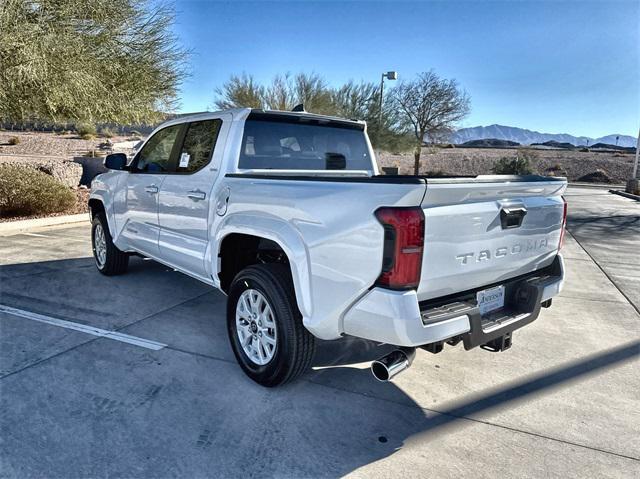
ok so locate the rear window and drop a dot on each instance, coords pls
(297, 145)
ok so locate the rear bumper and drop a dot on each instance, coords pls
(396, 317)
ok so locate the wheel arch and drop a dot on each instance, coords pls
(96, 206)
(99, 204)
(238, 235)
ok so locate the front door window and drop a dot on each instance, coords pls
(155, 156)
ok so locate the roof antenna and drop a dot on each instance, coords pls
(299, 107)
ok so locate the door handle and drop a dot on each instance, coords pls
(152, 189)
(197, 195)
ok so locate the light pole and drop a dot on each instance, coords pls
(389, 76)
(635, 163)
(633, 185)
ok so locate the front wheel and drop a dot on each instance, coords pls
(109, 259)
(265, 327)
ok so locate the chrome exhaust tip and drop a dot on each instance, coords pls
(389, 366)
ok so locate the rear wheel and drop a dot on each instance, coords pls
(265, 327)
(109, 259)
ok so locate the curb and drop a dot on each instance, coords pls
(24, 225)
(625, 194)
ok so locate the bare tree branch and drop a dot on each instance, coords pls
(431, 106)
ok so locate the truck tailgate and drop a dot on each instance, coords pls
(487, 229)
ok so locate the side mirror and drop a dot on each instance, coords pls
(115, 161)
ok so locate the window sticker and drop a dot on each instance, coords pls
(184, 160)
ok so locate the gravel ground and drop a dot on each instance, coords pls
(38, 145)
(477, 161)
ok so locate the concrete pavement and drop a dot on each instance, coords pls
(563, 402)
(608, 229)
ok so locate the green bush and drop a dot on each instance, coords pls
(86, 129)
(14, 140)
(520, 165)
(512, 166)
(25, 191)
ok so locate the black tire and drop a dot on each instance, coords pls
(116, 262)
(295, 346)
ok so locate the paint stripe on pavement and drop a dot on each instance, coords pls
(83, 328)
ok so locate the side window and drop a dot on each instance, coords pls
(155, 155)
(198, 145)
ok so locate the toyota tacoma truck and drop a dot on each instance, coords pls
(287, 214)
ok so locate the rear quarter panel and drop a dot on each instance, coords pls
(341, 237)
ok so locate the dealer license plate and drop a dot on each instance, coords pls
(490, 299)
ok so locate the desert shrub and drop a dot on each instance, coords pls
(556, 170)
(528, 154)
(390, 170)
(512, 166)
(520, 165)
(86, 129)
(25, 191)
(438, 174)
(14, 140)
(598, 176)
(107, 133)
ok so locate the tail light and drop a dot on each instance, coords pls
(564, 224)
(403, 245)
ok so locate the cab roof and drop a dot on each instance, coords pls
(264, 115)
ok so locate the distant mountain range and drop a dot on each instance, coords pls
(527, 137)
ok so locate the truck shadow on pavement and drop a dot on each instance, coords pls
(605, 227)
(188, 410)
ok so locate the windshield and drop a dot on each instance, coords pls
(293, 145)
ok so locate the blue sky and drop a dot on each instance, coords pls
(551, 66)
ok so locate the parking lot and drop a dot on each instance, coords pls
(165, 397)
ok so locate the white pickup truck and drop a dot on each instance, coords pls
(287, 214)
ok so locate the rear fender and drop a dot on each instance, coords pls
(287, 237)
